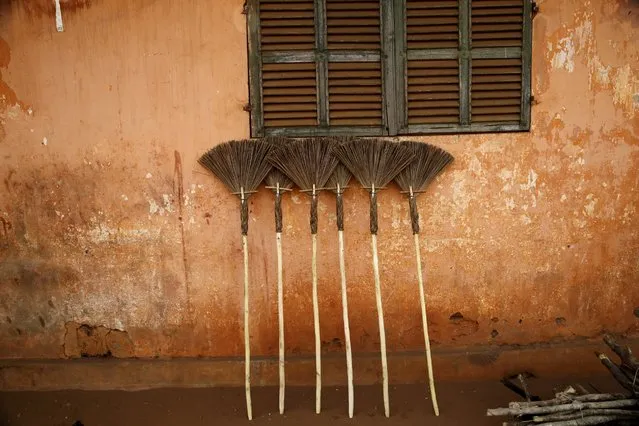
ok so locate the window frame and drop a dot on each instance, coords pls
(393, 58)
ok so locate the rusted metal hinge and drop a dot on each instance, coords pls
(245, 8)
(247, 108)
(535, 9)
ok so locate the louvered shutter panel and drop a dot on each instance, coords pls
(289, 90)
(432, 68)
(467, 65)
(320, 67)
(496, 86)
(354, 86)
(387, 67)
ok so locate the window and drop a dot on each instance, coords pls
(389, 67)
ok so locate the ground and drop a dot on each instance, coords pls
(461, 403)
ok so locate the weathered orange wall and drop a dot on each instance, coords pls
(107, 220)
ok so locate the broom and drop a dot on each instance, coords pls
(309, 163)
(279, 183)
(375, 162)
(241, 166)
(413, 180)
(337, 183)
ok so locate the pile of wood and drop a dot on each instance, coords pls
(575, 406)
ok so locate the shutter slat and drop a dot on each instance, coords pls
(291, 123)
(496, 102)
(417, 72)
(355, 122)
(506, 109)
(355, 94)
(289, 107)
(496, 94)
(285, 6)
(433, 80)
(506, 11)
(497, 118)
(412, 5)
(290, 75)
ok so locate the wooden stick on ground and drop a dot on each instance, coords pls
(629, 363)
(586, 421)
(576, 405)
(557, 401)
(586, 413)
(617, 373)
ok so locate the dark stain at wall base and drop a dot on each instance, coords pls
(484, 358)
(86, 341)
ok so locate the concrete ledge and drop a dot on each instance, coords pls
(477, 363)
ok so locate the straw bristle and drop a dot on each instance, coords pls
(428, 163)
(276, 177)
(240, 164)
(341, 176)
(374, 162)
(306, 162)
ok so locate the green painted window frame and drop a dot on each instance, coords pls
(393, 57)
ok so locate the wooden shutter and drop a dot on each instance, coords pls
(354, 86)
(467, 65)
(497, 31)
(432, 66)
(316, 67)
(378, 67)
(288, 89)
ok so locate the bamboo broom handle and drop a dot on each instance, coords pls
(378, 297)
(422, 301)
(280, 293)
(247, 336)
(347, 330)
(342, 270)
(247, 345)
(280, 314)
(414, 216)
(318, 342)
(380, 318)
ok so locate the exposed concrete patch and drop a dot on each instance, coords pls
(85, 341)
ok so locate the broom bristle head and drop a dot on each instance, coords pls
(374, 161)
(307, 161)
(275, 177)
(240, 164)
(428, 163)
